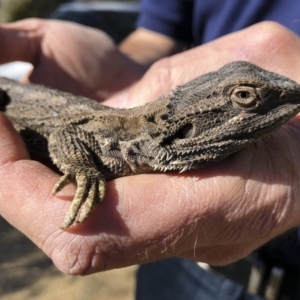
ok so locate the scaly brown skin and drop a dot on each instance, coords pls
(216, 215)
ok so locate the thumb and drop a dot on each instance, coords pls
(12, 147)
(21, 40)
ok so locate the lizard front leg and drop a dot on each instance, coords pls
(77, 155)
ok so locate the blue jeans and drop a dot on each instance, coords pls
(176, 278)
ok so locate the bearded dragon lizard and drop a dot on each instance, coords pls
(202, 122)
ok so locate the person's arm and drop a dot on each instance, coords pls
(164, 28)
(146, 46)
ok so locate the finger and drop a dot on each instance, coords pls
(21, 40)
(25, 189)
(18, 178)
(12, 147)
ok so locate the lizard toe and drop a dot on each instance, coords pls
(62, 182)
(90, 191)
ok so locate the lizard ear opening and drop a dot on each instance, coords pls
(244, 96)
(185, 132)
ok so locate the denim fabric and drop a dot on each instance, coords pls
(176, 278)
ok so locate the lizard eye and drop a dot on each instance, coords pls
(244, 96)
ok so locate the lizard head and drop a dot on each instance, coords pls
(221, 112)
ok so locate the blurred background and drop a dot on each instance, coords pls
(25, 271)
(117, 18)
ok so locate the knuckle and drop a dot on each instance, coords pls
(160, 70)
(270, 34)
(159, 76)
(270, 37)
(263, 40)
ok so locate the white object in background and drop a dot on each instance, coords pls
(15, 70)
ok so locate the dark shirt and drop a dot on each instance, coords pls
(200, 21)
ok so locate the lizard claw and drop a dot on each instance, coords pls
(62, 182)
(90, 191)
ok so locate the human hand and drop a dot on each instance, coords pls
(266, 44)
(216, 215)
(68, 57)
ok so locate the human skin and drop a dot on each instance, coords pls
(69, 57)
(215, 215)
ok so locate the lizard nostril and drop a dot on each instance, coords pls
(283, 97)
